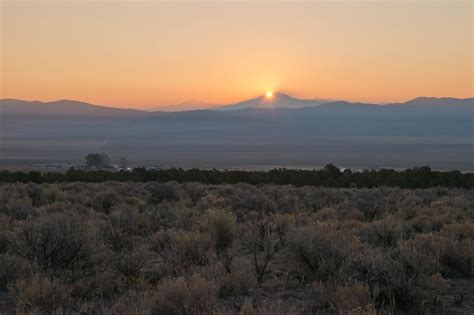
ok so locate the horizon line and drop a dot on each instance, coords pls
(168, 108)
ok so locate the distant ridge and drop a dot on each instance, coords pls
(424, 131)
(282, 102)
(438, 101)
(63, 108)
(278, 100)
(186, 106)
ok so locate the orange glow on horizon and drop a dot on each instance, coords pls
(153, 54)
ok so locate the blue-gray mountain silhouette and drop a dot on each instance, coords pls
(278, 100)
(425, 131)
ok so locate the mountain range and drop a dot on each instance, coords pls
(15, 107)
(261, 132)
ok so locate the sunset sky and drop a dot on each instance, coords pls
(150, 54)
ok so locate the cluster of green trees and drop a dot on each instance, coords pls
(329, 176)
(97, 160)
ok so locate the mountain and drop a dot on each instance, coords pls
(424, 131)
(278, 100)
(65, 108)
(282, 102)
(428, 108)
(437, 102)
(186, 106)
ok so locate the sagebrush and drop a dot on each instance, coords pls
(169, 248)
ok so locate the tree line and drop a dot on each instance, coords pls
(329, 176)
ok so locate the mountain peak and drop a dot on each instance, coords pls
(277, 100)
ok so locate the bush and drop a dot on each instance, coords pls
(319, 251)
(40, 294)
(174, 248)
(163, 192)
(222, 226)
(457, 261)
(401, 279)
(347, 297)
(60, 244)
(239, 281)
(12, 268)
(130, 263)
(194, 295)
(182, 250)
(262, 241)
(383, 233)
(326, 214)
(36, 194)
(132, 221)
(4, 241)
(19, 207)
(104, 201)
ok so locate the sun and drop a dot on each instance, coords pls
(269, 94)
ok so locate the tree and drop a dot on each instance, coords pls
(331, 169)
(99, 160)
(123, 162)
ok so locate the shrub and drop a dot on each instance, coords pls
(182, 250)
(60, 244)
(19, 207)
(195, 191)
(426, 224)
(112, 248)
(40, 294)
(457, 261)
(400, 279)
(194, 295)
(262, 241)
(326, 214)
(130, 263)
(343, 297)
(36, 194)
(383, 233)
(12, 268)
(132, 221)
(221, 225)
(104, 201)
(116, 238)
(320, 252)
(460, 231)
(161, 192)
(239, 281)
(4, 241)
(54, 194)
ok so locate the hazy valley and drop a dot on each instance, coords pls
(424, 131)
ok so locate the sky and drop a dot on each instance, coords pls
(153, 54)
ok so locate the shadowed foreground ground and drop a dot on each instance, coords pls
(169, 248)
